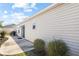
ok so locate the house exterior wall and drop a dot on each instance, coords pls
(19, 30)
(60, 23)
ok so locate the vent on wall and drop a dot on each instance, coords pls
(34, 26)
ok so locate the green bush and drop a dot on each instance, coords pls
(3, 33)
(39, 46)
(57, 48)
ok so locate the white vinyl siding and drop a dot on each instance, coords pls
(62, 23)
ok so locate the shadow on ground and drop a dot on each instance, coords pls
(24, 44)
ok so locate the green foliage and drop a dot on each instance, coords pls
(1, 24)
(39, 46)
(3, 33)
(2, 37)
(57, 48)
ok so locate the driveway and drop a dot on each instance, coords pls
(14, 46)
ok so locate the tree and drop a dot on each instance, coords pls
(1, 24)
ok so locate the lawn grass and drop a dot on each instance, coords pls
(22, 54)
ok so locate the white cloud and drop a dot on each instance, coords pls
(33, 5)
(13, 18)
(18, 17)
(19, 5)
(5, 12)
(28, 10)
(4, 16)
(22, 5)
(26, 6)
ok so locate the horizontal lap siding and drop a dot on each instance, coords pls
(66, 26)
(62, 23)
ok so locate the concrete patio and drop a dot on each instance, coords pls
(14, 46)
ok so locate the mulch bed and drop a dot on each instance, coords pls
(35, 53)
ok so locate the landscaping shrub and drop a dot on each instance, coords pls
(57, 48)
(39, 46)
(3, 33)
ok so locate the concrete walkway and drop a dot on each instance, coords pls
(14, 46)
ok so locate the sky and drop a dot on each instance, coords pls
(13, 13)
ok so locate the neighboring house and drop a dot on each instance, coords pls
(60, 21)
(9, 28)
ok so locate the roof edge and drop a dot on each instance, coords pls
(42, 11)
